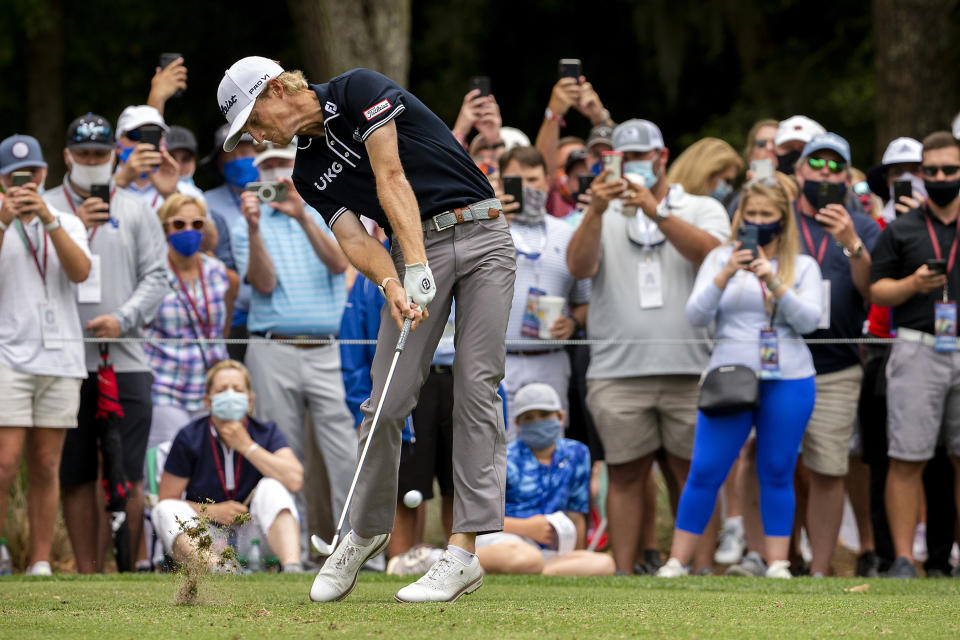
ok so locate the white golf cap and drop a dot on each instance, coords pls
(536, 396)
(903, 150)
(238, 90)
(637, 135)
(271, 150)
(513, 137)
(137, 116)
(799, 128)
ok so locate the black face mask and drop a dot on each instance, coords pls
(942, 193)
(811, 190)
(787, 162)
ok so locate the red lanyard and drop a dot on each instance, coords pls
(236, 473)
(205, 327)
(73, 208)
(936, 243)
(818, 256)
(36, 260)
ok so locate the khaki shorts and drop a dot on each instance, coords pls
(637, 416)
(38, 401)
(826, 444)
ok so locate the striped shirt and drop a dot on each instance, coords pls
(308, 299)
(179, 371)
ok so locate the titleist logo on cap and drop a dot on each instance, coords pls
(225, 107)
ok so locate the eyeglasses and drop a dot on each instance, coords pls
(833, 165)
(931, 170)
(179, 224)
(763, 143)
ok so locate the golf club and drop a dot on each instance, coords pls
(322, 547)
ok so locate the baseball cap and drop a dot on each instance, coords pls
(637, 135)
(513, 137)
(181, 138)
(270, 150)
(241, 85)
(600, 134)
(899, 151)
(19, 152)
(136, 116)
(799, 128)
(536, 396)
(90, 131)
(830, 141)
(577, 155)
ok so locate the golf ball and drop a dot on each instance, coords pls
(412, 499)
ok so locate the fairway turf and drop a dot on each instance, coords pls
(276, 606)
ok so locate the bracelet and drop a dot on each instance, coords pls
(253, 447)
(383, 284)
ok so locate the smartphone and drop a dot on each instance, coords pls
(830, 193)
(761, 169)
(570, 68)
(20, 178)
(165, 60)
(902, 188)
(748, 239)
(101, 191)
(613, 162)
(514, 186)
(152, 136)
(482, 83)
(937, 265)
(584, 182)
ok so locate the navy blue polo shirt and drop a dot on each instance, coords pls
(191, 456)
(333, 173)
(847, 313)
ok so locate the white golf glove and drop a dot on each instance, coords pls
(419, 284)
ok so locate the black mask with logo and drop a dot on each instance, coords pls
(942, 193)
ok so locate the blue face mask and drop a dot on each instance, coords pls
(186, 242)
(240, 172)
(597, 168)
(766, 232)
(187, 180)
(541, 434)
(123, 153)
(642, 168)
(721, 191)
(230, 405)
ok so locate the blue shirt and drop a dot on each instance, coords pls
(191, 456)
(308, 299)
(223, 205)
(333, 173)
(847, 313)
(537, 489)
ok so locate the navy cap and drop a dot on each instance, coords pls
(830, 141)
(90, 131)
(19, 152)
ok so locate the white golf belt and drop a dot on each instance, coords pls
(919, 337)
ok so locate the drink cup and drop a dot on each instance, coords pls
(551, 308)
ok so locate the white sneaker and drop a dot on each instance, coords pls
(920, 542)
(673, 569)
(414, 562)
(779, 569)
(447, 580)
(41, 568)
(730, 547)
(338, 576)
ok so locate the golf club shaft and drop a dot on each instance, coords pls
(376, 418)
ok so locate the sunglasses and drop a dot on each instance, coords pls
(761, 143)
(833, 165)
(179, 224)
(931, 170)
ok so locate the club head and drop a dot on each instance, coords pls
(322, 547)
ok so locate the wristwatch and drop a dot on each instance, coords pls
(53, 224)
(857, 250)
(662, 213)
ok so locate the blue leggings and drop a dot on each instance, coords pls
(785, 408)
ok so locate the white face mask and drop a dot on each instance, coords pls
(83, 176)
(274, 175)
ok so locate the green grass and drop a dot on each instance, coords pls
(276, 606)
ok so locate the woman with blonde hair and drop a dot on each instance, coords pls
(762, 303)
(708, 167)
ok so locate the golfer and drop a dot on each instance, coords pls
(367, 146)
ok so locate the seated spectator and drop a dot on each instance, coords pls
(143, 169)
(708, 167)
(194, 308)
(545, 527)
(252, 471)
(745, 294)
(43, 253)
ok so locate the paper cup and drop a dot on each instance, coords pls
(550, 308)
(630, 211)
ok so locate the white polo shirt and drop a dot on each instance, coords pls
(22, 293)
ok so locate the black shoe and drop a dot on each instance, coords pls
(902, 568)
(868, 565)
(652, 561)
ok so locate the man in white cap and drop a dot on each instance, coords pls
(901, 161)
(145, 169)
(792, 134)
(642, 252)
(368, 146)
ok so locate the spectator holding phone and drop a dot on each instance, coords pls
(900, 165)
(840, 241)
(914, 273)
(43, 254)
(145, 167)
(169, 81)
(746, 295)
(126, 285)
(479, 111)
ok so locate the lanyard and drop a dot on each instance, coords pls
(73, 208)
(236, 473)
(936, 243)
(818, 256)
(524, 250)
(42, 271)
(206, 327)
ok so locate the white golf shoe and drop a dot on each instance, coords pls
(447, 580)
(338, 576)
(673, 569)
(779, 569)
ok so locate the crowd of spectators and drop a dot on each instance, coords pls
(778, 260)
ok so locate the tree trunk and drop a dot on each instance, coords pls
(915, 67)
(43, 28)
(338, 35)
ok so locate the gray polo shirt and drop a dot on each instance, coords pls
(133, 258)
(615, 309)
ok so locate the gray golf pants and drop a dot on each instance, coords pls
(473, 263)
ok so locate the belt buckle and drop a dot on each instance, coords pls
(436, 222)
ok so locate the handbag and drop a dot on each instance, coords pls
(728, 389)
